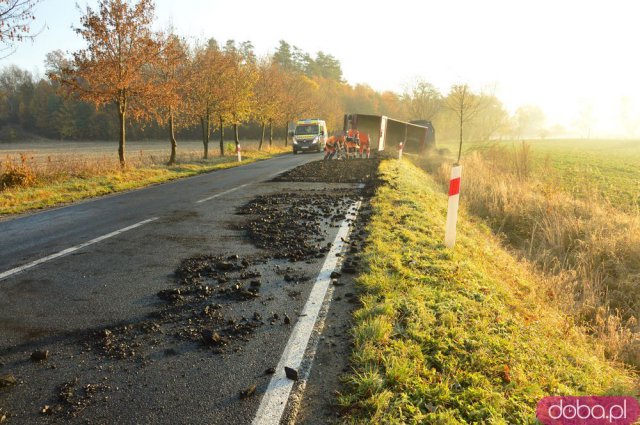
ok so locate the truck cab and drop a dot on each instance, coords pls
(310, 135)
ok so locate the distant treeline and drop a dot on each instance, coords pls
(273, 91)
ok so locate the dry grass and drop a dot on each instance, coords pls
(30, 180)
(589, 250)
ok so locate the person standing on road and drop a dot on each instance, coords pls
(340, 146)
(330, 148)
(352, 143)
(364, 145)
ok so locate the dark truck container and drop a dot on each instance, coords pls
(387, 133)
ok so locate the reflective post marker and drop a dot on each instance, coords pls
(238, 152)
(452, 211)
(400, 151)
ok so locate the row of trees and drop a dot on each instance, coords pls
(132, 80)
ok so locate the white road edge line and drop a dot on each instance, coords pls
(64, 252)
(222, 193)
(276, 396)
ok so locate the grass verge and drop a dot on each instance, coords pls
(459, 336)
(73, 183)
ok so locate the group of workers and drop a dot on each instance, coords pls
(348, 145)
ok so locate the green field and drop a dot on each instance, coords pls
(602, 170)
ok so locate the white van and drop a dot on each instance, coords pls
(309, 135)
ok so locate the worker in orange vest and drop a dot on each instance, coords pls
(353, 140)
(364, 145)
(330, 147)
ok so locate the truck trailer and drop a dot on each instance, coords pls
(386, 133)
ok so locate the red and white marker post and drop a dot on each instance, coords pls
(400, 150)
(452, 211)
(239, 153)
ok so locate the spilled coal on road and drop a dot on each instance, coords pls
(216, 332)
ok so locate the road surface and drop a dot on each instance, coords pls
(68, 274)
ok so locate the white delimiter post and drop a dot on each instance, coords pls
(452, 211)
(400, 150)
(239, 154)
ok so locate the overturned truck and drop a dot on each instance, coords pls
(387, 133)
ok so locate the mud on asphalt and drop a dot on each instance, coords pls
(216, 302)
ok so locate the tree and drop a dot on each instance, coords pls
(492, 118)
(282, 56)
(423, 100)
(169, 77)
(267, 98)
(15, 19)
(530, 121)
(298, 98)
(113, 67)
(242, 79)
(209, 77)
(65, 121)
(465, 105)
(392, 105)
(586, 118)
(325, 66)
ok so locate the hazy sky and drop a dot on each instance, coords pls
(562, 55)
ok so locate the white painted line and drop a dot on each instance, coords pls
(64, 252)
(222, 193)
(276, 396)
(269, 177)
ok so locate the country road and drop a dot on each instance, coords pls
(90, 283)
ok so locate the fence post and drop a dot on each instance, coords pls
(452, 210)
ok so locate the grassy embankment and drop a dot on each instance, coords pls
(458, 336)
(571, 208)
(62, 179)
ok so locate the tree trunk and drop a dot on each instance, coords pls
(235, 135)
(204, 122)
(270, 132)
(286, 134)
(172, 139)
(221, 137)
(121, 146)
(264, 124)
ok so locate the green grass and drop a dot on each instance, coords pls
(604, 170)
(50, 192)
(460, 336)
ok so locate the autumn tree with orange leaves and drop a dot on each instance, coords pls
(169, 78)
(267, 92)
(208, 99)
(239, 88)
(113, 69)
(15, 23)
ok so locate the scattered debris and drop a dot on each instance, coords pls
(248, 392)
(40, 355)
(353, 171)
(7, 381)
(291, 373)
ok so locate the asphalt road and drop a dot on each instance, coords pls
(54, 305)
